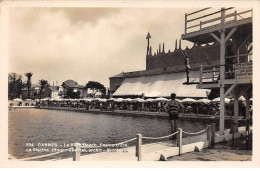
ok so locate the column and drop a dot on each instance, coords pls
(222, 76)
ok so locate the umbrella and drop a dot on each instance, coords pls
(217, 100)
(118, 100)
(127, 100)
(58, 100)
(102, 100)
(136, 100)
(149, 100)
(188, 100)
(205, 101)
(74, 100)
(28, 99)
(141, 100)
(161, 99)
(18, 100)
(66, 99)
(242, 98)
(251, 99)
(88, 99)
(175, 99)
(111, 99)
(45, 99)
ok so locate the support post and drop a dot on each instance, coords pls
(209, 134)
(213, 74)
(235, 15)
(247, 107)
(179, 140)
(201, 68)
(222, 75)
(185, 29)
(76, 152)
(247, 117)
(222, 88)
(213, 133)
(236, 111)
(200, 25)
(233, 131)
(139, 147)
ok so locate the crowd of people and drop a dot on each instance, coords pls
(148, 105)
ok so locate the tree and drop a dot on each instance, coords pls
(71, 94)
(96, 87)
(43, 83)
(15, 85)
(108, 92)
(28, 84)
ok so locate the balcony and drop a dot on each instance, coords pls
(239, 73)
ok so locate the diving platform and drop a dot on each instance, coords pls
(232, 29)
(201, 32)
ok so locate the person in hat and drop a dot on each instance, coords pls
(172, 108)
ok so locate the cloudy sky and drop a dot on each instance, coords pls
(88, 44)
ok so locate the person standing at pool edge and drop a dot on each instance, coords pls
(171, 108)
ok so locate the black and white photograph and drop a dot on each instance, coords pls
(117, 82)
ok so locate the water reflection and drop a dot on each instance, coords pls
(40, 126)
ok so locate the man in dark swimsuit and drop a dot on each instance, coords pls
(172, 108)
(187, 64)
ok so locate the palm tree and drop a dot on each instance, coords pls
(43, 83)
(28, 84)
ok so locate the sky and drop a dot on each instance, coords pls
(88, 44)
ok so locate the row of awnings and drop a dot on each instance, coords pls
(162, 86)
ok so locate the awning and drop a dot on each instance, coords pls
(162, 86)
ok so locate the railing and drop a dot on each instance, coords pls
(209, 22)
(210, 130)
(211, 75)
(233, 71)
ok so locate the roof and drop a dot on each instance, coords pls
(35, 85)
(162, 86)
(54, 88)
(119, 75)
(72, 84)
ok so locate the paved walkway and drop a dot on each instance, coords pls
(220, 152)
(150, 151)
(147, 150)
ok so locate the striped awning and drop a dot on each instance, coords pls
(162, 86)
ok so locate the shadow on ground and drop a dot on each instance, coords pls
(238, 150)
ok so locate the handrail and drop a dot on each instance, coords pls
(210, 14)
(238, 55)
(125, 141)
(211, 70)
(209, 21)
(195, 133)
(195, 12)
(157, 138)
(218, 18)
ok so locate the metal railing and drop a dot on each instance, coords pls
(210, 22)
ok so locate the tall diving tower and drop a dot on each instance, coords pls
(232, 79)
